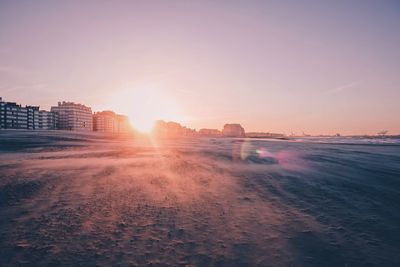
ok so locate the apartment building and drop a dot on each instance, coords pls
(210, 132)
(73, 117)
(233, 130)
(124, 125)
(14, 116)
(47, 120)
(64, 116)
(110, 122)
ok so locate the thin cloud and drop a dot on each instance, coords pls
(342, 88)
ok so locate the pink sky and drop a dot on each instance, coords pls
(307, 66)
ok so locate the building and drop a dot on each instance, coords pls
(264, 135)
(233, 130)
(73, 117)
(32, 113)
(104, 121)
(14, 116)
(47, 120)
(124, 125)
(110, 122)
(210, 132)
(172, 129)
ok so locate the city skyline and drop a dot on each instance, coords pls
(333, 68)
(16, 116)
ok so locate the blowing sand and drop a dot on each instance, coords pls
(92, 199)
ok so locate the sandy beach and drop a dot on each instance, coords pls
(99, 200)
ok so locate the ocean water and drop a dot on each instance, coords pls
(355, 140)
(87, 199)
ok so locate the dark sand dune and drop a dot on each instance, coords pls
(91, 199)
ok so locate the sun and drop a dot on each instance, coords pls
(145, 126)
(145, 105)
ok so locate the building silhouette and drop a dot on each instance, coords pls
(172, 129)
(65, 116)
(233, 130)
(210, 132)
(110, 122)
(124, 125)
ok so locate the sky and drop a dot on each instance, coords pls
(318, 67)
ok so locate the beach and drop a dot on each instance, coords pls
(90, 199)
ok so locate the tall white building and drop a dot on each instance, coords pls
(72, 116)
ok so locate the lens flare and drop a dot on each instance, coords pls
(145, 104)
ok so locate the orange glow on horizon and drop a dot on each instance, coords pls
(144, 105)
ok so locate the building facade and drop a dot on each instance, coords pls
(123, 125)
(210, 132)
(47, 120)
(233, 130)
(110, 122)
(104, 122)
(73, 117)
(172, 129)
(14, 116)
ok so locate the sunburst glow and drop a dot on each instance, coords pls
(146, 104)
